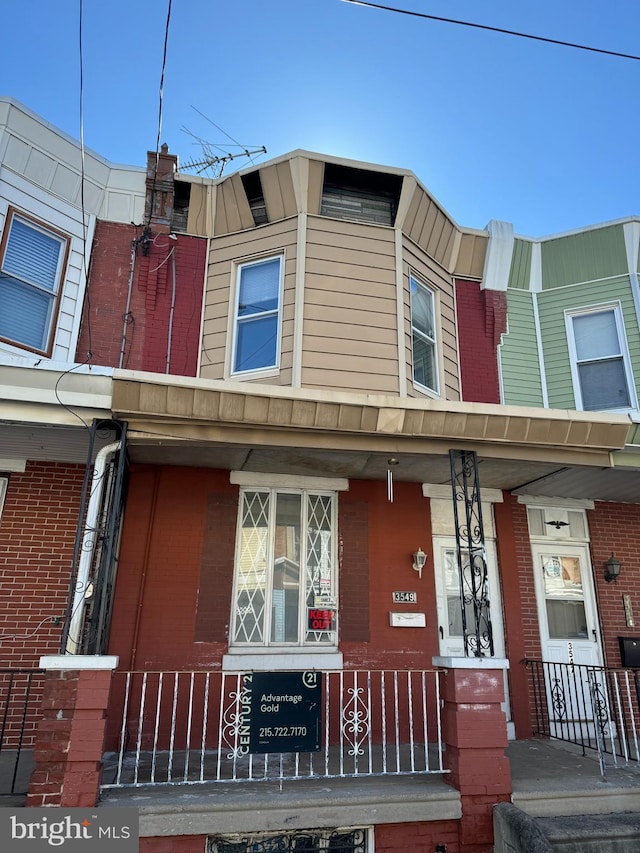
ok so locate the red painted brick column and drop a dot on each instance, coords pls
(70, 734)
(474, 729)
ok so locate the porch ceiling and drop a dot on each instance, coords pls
(241, 426)
(47, 443)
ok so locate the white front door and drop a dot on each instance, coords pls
(566, 604)
(568, 629)
(447, 579)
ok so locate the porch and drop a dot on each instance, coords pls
(549, 778)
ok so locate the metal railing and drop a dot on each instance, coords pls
(593, 707)
(20, 696)
(180, 728)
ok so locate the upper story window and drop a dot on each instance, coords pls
(360, 194)
(285, 578)
(32, 262)
(599, 360)
(423, 336)
(257, 316)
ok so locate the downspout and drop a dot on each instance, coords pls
(171, 310)
(88, 547)
(132, 266)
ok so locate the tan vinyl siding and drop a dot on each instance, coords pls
(198, 220)
(520, 272)
(440, 282)
(471, 255)
(587, 256)
(521, 379)
(225, 253)
(232, 208)
(279, 195)
(316, 176)
(349, 334)
(428, 226)
(552, 305)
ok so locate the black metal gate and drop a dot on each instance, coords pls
(20, 699)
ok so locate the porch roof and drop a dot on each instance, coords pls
(247, 426)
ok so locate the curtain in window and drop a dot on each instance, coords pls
(603, 381)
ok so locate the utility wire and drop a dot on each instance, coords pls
(160, 99)
(493, 29)
(82, 179)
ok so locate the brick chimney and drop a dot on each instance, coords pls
(158, 208)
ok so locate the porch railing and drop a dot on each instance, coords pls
(20, 696)
(179, 728)
(591, 706)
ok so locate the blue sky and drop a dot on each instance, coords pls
(496, 127)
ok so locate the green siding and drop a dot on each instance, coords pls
(587, 256)
(520, 265)
(521, 382)
(551, 308)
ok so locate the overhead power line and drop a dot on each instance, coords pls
(493, 29)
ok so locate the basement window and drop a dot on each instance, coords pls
(311, 840)
(360, 195)
(255, 196)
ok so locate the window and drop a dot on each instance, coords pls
(32, 260)
(257, 322)
(311, 840)
(423, 336)
(599, 366)
(285, 568)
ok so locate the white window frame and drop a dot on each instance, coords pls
(13, 214)
(415, 332)
(302, 642)
(283, 655)
(616, 308)
(267, 368)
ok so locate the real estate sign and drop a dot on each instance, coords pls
(281, 712)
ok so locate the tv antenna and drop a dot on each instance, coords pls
(214, 157)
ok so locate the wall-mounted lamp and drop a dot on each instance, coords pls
(419, 559)
(612, 569)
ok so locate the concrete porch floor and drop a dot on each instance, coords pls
(549, 778)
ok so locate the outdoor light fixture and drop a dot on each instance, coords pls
(419, 559)
(611, 569)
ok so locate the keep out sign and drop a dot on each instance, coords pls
(321, 619)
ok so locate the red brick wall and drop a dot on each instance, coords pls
(519, 605)
(418, 836)
(173, 844)
(394, 531)
(156, 596)
(389, 838)
(37, 533)
(481, 316)
(172, 604)
(614, 529)
(147, 333)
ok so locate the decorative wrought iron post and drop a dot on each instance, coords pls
(471, 554)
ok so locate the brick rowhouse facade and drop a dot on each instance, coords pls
(159, 332)
(37, 534)
(481, 317)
